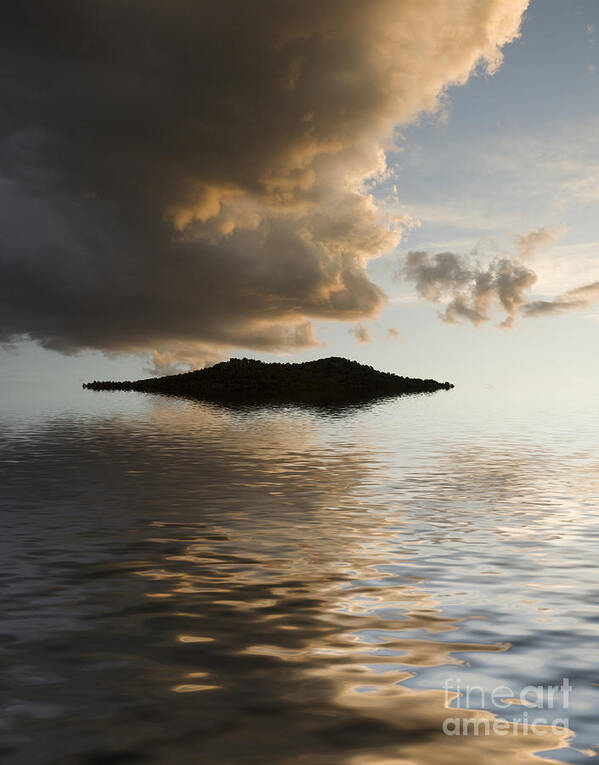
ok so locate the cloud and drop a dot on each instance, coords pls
(590, 34)
(180, 359)
(189, 177)
(575, 299)
(467, 289)
(361, 334)
(470, 291)
(394, 333)
(530, 242)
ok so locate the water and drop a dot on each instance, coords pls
(188, 584)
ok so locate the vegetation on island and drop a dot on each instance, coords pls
(333, 380)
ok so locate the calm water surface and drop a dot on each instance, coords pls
(183, 583)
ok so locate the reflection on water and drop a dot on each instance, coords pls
(188, 584)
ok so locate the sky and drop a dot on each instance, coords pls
(412, 185)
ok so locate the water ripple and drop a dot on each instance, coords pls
(188, 584)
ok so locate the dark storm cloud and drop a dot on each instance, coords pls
(189, 176)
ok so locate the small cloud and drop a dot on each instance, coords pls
(181, 357)
(591, 69)
(578, 298)
(361, 334)
(394, 333)
(529, 243)
(165, 364)
(590, 33)
(467, 289)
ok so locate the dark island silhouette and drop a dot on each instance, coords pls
(330, 381)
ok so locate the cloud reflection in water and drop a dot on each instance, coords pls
(282, 586)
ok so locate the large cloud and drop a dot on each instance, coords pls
(189, 176)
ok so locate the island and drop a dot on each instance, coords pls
(329, 381)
